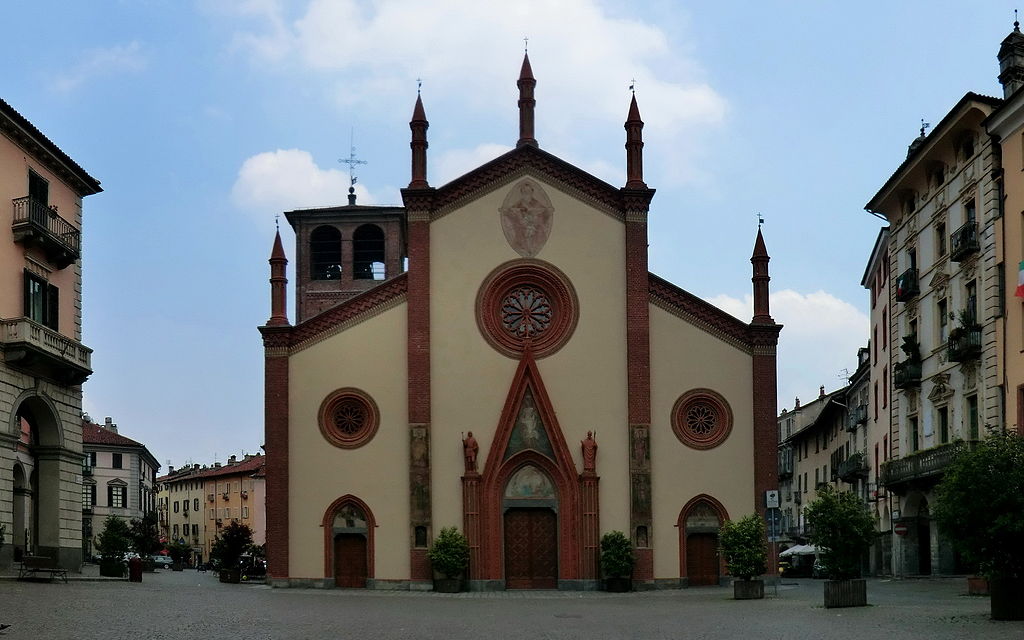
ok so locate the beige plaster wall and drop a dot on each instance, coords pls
(14, 168)
(370, 356)
(586, 379)
(1010, 244)
(684, 357)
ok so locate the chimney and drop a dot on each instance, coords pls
(796, 404)
(195, 467)
(108, 424)
(170, 470)
(216, 465)
(821, 391)
(232, 459)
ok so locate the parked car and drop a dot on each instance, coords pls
(162, 561)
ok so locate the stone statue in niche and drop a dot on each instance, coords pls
(589, 452)
(470, 447)
(526, 216)
(641, 536)
(419, 447)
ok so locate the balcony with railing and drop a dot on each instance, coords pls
(87, 470)
(44, 352)
(964, 241)
(907, 286)
(785, 463)
(798, 497)
(906, 374)
(924, 467)
(856, 466)
(36, 224)
(858, 415)
(964, 344)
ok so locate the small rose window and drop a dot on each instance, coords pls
(348, 418)
(701, 419)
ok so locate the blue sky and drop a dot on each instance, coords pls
(203, 119)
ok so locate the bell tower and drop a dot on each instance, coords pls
(343, 251)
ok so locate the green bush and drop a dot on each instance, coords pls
(449, 555)
(115, 540)
(842, 529)
(179, 552)
(980, 505)
(745, 546)
(617, 558)
(230, 544)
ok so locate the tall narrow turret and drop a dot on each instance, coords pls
(1011, 61)
(634, 148)
(419, 126)
(278, 285)
(760, 279)
(526, 84)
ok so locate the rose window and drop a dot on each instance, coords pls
(701, 419)
(526, 306)
(526, 312)
(348, 418)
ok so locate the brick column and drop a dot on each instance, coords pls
(766, 437)
(275, 340)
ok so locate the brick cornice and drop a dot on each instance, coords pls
(516, 162)
(703, 314)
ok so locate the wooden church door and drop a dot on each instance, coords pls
(702, 559)
(531, 549)
(350, 567)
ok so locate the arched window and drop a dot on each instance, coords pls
(325, 250)
(368, 253)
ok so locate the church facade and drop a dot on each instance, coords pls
(525, 379)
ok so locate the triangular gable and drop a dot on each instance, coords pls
(700, 313)
(528, 424)
(516, 162)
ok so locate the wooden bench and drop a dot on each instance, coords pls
(34, 567)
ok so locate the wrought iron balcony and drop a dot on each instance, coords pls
(858, 415)
(907, 286)
(964, 241)
(856, 466)
(924, 467)
(86, 469)
(785, 462)
(964, 344)
(43, 352)
(36, 224)
(906, 374)
(798, 497)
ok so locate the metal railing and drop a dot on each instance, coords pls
(964, 344)
(907, 286)
(31, 212)
(858, 415)
(964, 241)
(854, 466)
(906, 374)
(924, 464)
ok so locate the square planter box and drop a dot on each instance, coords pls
(846, 593)
(748, 589)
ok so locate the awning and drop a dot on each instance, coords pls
(800, 550)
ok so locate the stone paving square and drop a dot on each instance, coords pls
(191, 605)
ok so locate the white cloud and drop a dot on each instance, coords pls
(584, 59)
(287, 179)
(96, 63)
(820, 339)
(453, 163)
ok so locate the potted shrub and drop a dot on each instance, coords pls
(146, 539)
(228, 547)
(449, 557)
(980, 507)
(617, 562)
(842, 529)
(745, 548)
(179, 552)
(113, 543)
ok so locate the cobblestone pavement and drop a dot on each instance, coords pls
(190, 605)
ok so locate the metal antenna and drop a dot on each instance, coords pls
(351, 161)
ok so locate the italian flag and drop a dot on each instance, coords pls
(1020, 280)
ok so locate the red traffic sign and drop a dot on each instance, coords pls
(900, 529)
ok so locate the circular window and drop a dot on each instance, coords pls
(701, 419)
(527, 304)
(348, 418)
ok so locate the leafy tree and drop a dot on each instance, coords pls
(145, 535)
(179, 551)
(745, 546)
(115, 540)
(449, 555)
(617, 557)
(980, 505)
(842, 529)
(231, 543)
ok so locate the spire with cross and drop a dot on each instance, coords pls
(352, 161)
